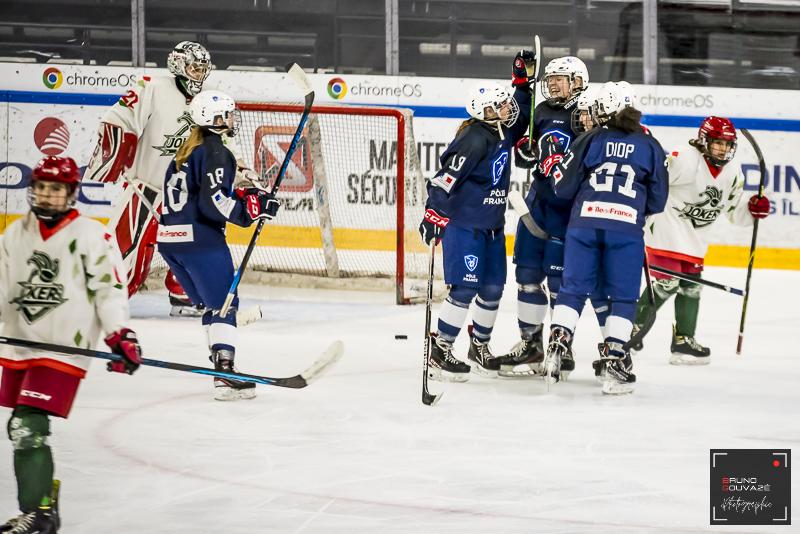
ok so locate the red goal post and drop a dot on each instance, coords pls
(344, 222)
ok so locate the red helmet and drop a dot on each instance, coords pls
(57, 169)
(717, 128)
(53, 169)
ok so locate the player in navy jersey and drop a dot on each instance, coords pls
(468, 197)
(617, 176)
(564, 81)
(199, 200)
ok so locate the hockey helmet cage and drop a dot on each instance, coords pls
(571, 67)
(208, 105)
(583, 110)
(492, 96)
(56, 169)
(718, 128)
(191, 63)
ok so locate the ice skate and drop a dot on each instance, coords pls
(53, 523)
(226, 389)
(617, 370)
(567, 364)
(525, 358)
(598, 365)
(482, 360)
(442, 365)
(638, 345)
(687, 351)
(557, 349)
(183, 307)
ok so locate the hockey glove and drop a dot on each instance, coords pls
(124, 343)
(432, 226)
(525, 158)
(758, 206)
(522, 71)
(552, 153)
(260, 204)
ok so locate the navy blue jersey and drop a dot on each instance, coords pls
(616, 178)
(471, 186)
(553, 134)
(199, 198)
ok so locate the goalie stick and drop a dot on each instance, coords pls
(329, 357)
(299, 76)
(762, 167)
(428, 399)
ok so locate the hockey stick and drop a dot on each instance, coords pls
(650, 317)
(328, 358)
(537, 49)
(300, 78)
(762, 167)
(518, 205)
(428, 399)
(697, 280)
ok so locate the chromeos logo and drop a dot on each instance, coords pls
(337, 88)
(52, 78)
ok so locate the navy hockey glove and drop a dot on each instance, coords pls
(432, 226)
(124, 343)
(552, 153)
(523, 69)
(260, 204)
(524, 157)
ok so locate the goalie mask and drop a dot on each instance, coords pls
(493, 103)
(564, 78)
(716, 140)
(54, 187)
(190, 63)
(216, 111)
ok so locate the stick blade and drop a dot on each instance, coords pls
(332, 355)
(298, 75)
(518, 203)
(428, 399)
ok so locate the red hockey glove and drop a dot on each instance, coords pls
(124, 343)
(432, 226)
(758, 206)
(525, 158)
(522, 70)
(260, 204)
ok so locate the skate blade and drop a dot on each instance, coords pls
(185, 311)
(482, 371)
(563, 376)
(443, 376)
(521, 370)
(687, 359)
(223, 393)
(612, 387)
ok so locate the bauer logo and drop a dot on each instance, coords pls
(750, 487)
(471, 261)
(337, 88)
(51, 136)
(52, 78)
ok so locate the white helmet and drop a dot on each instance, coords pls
(208, 105)
(191, 64)
(611, 99)
(583, 109)
(627, 93)
(566, 66)
(494, 96)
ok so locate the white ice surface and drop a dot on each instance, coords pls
(358, 452)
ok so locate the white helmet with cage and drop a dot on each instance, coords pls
(569, 66)
(208, 106)
(191, 63)
(494, 97)
(582, 116)
(611, 99)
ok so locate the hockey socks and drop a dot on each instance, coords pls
(28, 429)
(687, 307)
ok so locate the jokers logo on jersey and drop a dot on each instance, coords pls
(37, 298)
(704, 212)
(172, 142)
(498, 166)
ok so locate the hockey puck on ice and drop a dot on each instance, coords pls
(400, 336)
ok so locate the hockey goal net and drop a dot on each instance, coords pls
(344, 221)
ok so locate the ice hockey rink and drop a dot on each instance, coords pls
(356, 451)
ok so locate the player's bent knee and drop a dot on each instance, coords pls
(491, 294)
(530, 288)
(462, 295)
(526, 275)
(665, 287)
(690, 289)
(28, 431)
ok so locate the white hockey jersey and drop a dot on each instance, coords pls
(158, 114)
(696, 200)
(61, 286)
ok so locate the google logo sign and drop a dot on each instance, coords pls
(337, 88)
(52, 78)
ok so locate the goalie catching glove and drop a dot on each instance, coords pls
(123, 342)
(432, 226)
(523, 69)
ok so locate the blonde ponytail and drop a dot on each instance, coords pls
(194, 140)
